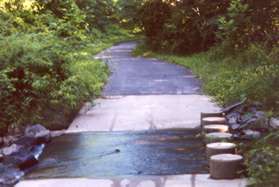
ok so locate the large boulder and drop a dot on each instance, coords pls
(38, 132)
(25, 158)
(10, 149)
(9, 175)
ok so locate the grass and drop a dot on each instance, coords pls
(251, 73)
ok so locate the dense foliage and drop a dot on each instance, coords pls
(240, 37)
(128, 13)
(196, 25)
(46, 66)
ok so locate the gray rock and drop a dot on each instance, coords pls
(274, 123)
(233, 118)
(256, 121)
(11, 149)
(25, 158)
(250, 134)
(9, 176)
(38, 132)
(235, 126)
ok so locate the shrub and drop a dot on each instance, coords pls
(46, 65)
(250, 21)
(181, 26)
(37, 75)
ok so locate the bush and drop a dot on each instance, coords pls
(193, 26)
(181, 26)
(39, 75)
(250, 21)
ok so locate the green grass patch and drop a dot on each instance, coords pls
(252, 73)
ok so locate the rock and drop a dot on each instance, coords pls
(39, 132)
(11, 149)
(26, 158)
(274, 123)
(251, 135)
(257, 121)
(117, 150)
(9, 176)
(235, 126)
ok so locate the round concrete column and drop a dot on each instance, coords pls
(220, 148)
(215, 128)
(217, 137)
(225, 166)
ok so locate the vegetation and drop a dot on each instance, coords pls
(46, 67)
(249, 74)
(194, 26)
(262, 160)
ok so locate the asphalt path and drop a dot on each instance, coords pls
(145, 76)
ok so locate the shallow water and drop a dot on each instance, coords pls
(108, 154)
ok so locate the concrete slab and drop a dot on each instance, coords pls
(152, 181)
(205, 181)
(130, 113)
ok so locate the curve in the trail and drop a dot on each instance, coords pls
(145, 76)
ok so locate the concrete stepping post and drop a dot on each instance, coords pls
(217, 137)
(213, 118)
(215, 128)
(220, 148)
(225, 166)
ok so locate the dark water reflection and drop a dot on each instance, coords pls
(122, 154)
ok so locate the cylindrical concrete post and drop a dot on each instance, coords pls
(220, 148)
(225, 166)
(215, 128)
(217, 137)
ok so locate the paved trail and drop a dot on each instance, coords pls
(141, 94)
(141, 76)
(144, 94)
